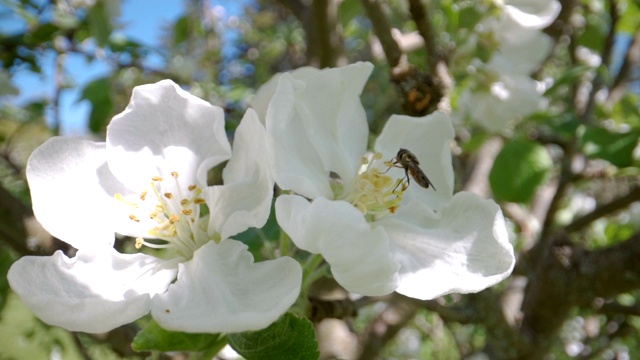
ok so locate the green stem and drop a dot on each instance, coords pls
(285, 244)
(312, 271)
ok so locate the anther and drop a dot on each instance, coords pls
(174, 174)
(157, 178)
(168, 195)
(134, 218)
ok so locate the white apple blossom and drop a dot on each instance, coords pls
(508, 98)
(536, 14)
(377, 234)
(506, 92)
(520, 50)
(149, 181)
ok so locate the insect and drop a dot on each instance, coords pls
(409, 162)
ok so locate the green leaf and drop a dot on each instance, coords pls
(153, 337)
(181, 30)
(566, 79)
(42, 34)
(617, 148)
(97, 93)
(99, 23)
(518, 170)
(289, 338)
(348, 11)
(630, 17)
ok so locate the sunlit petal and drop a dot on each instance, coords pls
(222, 290)
(165, 129)
(466, 249)
(429, 138)
(359, 255)
(92, 292)
(72, 191)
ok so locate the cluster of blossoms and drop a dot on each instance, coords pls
(307, 132)
(507, 91)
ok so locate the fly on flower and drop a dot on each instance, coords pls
(406, 160)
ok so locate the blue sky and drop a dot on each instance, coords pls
(143, 21)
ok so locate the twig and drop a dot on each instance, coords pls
(615, 308)
(632, 196)
(324, 40)
(385, 327)
(59, 85)
(606, 53)
(425, 29)
(631, 59)
(296, 7)
(382, 29)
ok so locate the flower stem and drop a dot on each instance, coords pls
(285, 244)
(312, 271)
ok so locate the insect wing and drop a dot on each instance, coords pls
(420, 177)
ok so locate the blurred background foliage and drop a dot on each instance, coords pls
(566, 175)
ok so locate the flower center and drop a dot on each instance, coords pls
(372, 191)
(171, 213)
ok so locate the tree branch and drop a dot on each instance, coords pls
(570, 276)
(386, 325)
(606, 272)
(296, 7)
(631, 59)
(606, 53)
(323, 39)
(425, 29)
(382, 30)
(632, 196)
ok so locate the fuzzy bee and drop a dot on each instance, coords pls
(406, 160)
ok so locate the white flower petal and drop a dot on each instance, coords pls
(335, 119)
(429, 138)
(533, 14)
(166, 129)
(316, 115)
(359, 255)
(221, 290)
(91, 292)
(521, 49)
(249, 151)
(297, 165)
(244, 200)
(465, 251)
(72, 191)
(512, 97)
